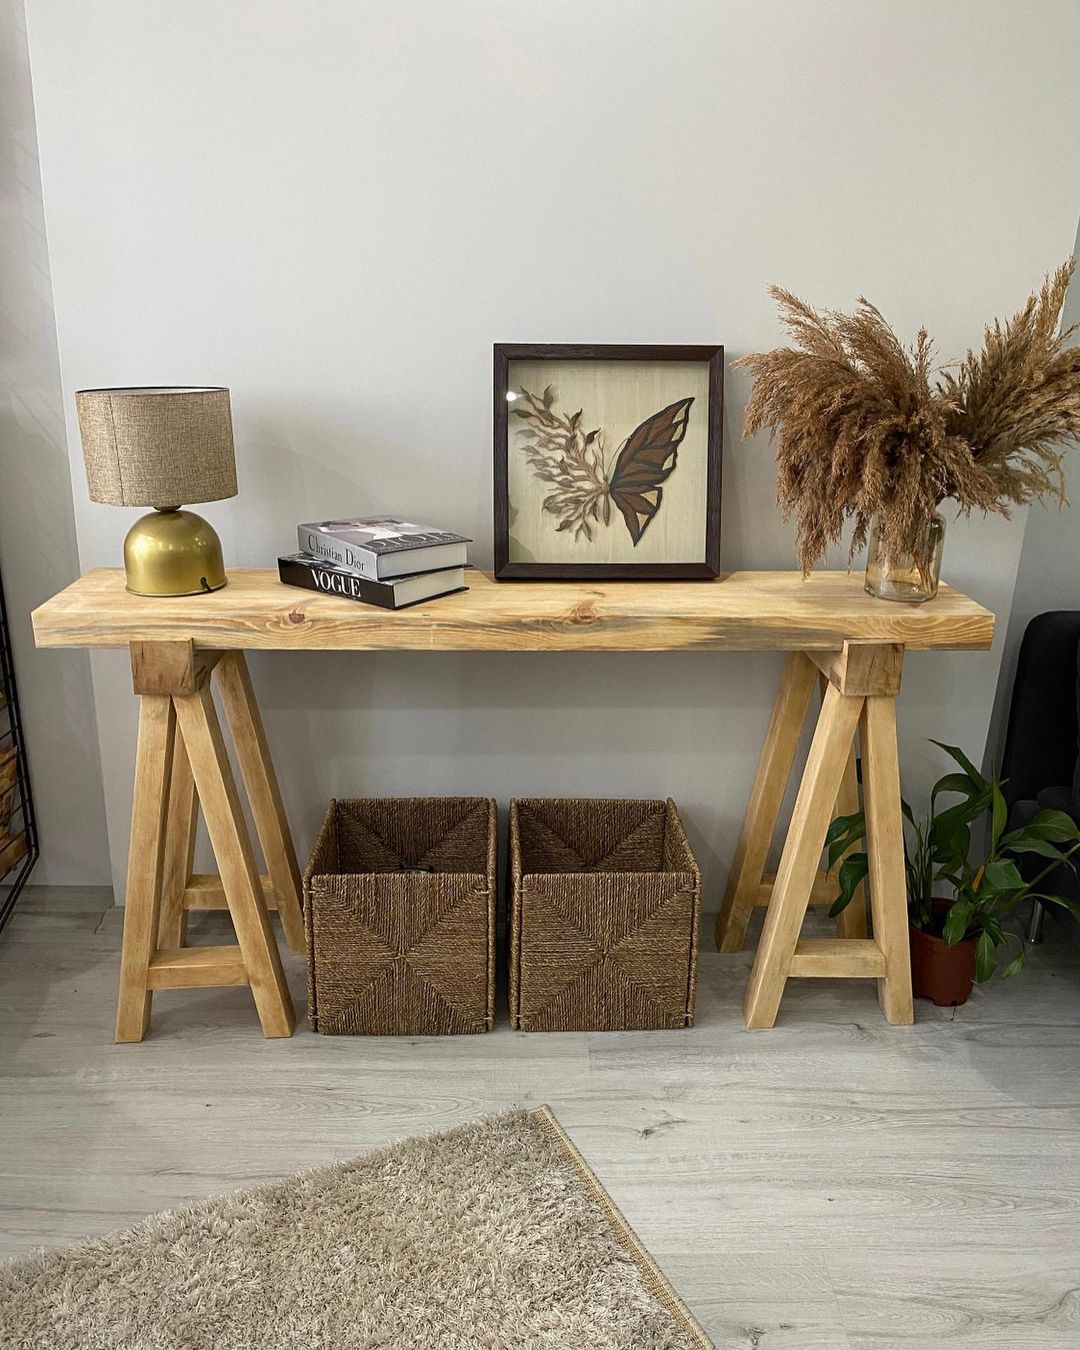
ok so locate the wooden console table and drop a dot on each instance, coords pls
(833, 631)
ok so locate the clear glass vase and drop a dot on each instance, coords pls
(913, 577)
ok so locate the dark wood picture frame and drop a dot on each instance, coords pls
(505, 570)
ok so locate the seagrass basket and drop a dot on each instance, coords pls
(604, 913)
(399, 905)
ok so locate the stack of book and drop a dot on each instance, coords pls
(379, 560)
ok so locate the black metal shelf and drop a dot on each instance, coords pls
(18, 825)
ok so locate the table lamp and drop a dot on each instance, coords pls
(162, 447)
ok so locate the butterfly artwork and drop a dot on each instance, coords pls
(607, 461)
(587, 481)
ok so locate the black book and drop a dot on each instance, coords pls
(299, 569)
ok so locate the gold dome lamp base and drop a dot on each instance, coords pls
(173, 552)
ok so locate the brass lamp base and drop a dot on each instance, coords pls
(173, 552)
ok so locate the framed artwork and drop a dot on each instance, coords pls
(607, 461)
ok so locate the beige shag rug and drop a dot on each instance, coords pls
(492, 1235)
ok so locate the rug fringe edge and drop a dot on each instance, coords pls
(655, 1279)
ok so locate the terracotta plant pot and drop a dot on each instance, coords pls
(941, 973)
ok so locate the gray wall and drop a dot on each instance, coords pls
(37, 525)
(336, 209)
(1049, 573)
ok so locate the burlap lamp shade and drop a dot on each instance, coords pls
(157, 447)
(162, 447)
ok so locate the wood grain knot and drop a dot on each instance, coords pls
(584, 613)
(297, 616)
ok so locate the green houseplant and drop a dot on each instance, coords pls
(959, 892)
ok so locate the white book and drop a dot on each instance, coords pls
(379, 547)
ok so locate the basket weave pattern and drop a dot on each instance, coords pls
(604, 916)
(399, 904)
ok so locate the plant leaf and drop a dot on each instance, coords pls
(1000, 815)
(853, 825)
(963, 812)
(955, 782)
(954, 752)
(1042, 847)
(1014, 965)
(1070, 905)
(992, 926)
(1001, 874)
(956, 922)
(985, 957)
(1054, 826)
(853, 870)
(842, 833)
(950, 846)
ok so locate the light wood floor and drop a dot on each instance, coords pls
(830, 1184)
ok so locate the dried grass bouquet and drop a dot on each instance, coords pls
(867, 427)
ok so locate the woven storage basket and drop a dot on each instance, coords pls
(603, 917)
(399, 903)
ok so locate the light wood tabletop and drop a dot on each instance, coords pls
(838, 639)
(739, 611)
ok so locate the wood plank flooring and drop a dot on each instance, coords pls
(832, 1184)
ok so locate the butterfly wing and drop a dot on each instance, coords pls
(645, 461)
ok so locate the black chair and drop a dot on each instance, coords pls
(1039, 764)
